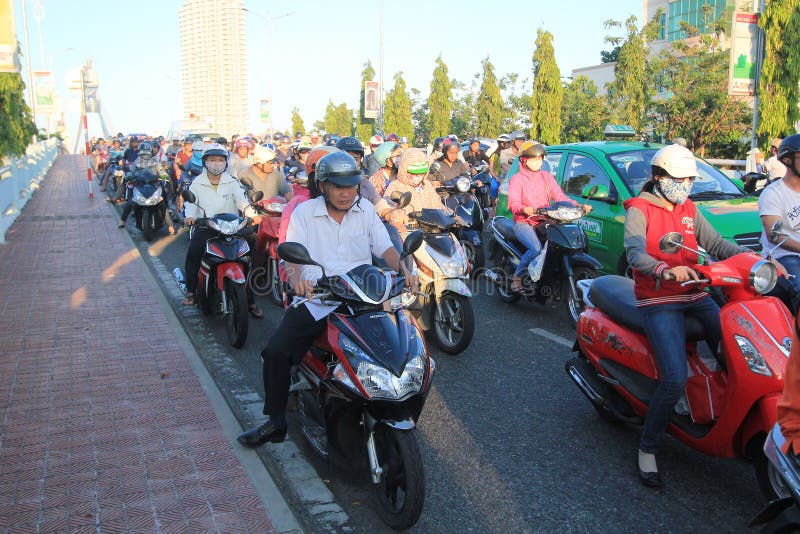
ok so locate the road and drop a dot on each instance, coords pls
(510, 444)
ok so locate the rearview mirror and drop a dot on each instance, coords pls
(593, 191)
(188, 196)
(255, 196)
(401, 199)
(435, 167)
(412, 243)
(670, 243)
(295, 253)
(247, 182)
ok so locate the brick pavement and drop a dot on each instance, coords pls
(103, 425)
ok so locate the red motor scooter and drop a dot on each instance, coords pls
(265, 274)
(731, 399)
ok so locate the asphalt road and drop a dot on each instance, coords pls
(511, 445)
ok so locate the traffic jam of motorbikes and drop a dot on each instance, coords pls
(374, 254)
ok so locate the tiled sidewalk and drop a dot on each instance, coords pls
(103, 425)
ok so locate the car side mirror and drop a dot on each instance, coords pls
(188, 196)
(413, 241)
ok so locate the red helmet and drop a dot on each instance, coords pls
(316, 154)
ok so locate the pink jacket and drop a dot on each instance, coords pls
(534, 190)
(301, 194)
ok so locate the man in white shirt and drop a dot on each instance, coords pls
(773, 167)
(781, 201)
(216, 192)
(340, 231)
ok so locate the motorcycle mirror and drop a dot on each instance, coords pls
(255, 196)
(295, 253)
(435, 167)
(188, 196)
(413, 241)
(404, 200)
(395, 196)
(247, 182)
(670, 243)
(293, 171)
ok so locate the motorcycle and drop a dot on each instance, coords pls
(755, 182)
(118, 167)
(443, 306)
(221, 279)
(555, 273)
(730, 400)
(265, 273)
(783, 513)
(149, 202)
(362, 387)
(462, 200)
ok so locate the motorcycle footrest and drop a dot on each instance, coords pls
(301, 385)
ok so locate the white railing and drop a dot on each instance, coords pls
(21, 177)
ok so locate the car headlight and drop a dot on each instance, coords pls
(226, 227)
(763, 276)
(462, 184)
(755, 361)
(378, 381)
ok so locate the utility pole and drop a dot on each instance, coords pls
(380, 69)
(31, 93)
(758, 5)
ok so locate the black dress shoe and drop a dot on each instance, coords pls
(260, 435)
(651, 479)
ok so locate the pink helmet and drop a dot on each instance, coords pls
(375, 140)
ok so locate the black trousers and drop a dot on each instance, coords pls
(290, 341)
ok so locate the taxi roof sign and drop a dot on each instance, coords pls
(619, 130)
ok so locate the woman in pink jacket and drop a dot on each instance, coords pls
(529, 189)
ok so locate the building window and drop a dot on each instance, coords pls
(701, 14)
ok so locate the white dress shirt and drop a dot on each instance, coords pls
(229, 197)
(338, 247)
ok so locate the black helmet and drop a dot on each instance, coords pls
(350, 144)
(438, 144)
(532, 150)
(146, 148)
(339, 168)
(788, 146)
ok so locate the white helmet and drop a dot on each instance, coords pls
(263, 154)
(198, 145)
(677, 160)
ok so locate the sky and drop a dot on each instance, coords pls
(318, 49)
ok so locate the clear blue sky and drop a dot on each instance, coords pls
(318, 52)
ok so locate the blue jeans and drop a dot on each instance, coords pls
(664, 325)
(791, 285)
(526, 234)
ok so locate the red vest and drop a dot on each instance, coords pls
(651, 290)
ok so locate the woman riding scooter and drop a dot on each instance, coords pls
(663, 206)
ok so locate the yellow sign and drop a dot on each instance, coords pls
(9, 59)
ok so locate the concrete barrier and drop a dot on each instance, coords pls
(21, 178)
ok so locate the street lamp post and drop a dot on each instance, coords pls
(31, 92)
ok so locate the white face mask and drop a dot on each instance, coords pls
(216, 167)
(675, 192)
(534, 164)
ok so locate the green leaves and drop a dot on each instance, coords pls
(338, 119)
(547, 92)
(16, 122)
(397, 114)
(583, 111)
(490, 103)
(780, 74)
(629, 94)
(440, 101)
(297, 122)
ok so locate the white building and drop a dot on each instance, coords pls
(213, 65)
(601, 75)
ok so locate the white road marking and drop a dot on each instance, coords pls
(552, 337)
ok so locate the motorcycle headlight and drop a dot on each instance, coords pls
(155, 198)
(452, 266)
(462, 184)
(755, 361)
(763, 276)
(275, 207)
(226, 227)
(565, 213)
(378, 381)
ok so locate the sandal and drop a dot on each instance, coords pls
(121, 224)
(516, 284)
(190, 300)
(171, 230)
(255, 312)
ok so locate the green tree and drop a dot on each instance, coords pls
(517, 111)
(780, 74)
(440, 101)
(464, 119)
(694, 75)
(16, 122)
(365, 127)
(547, 92)
(629, 94)
(583, 111)
(490, 103)
(338, 119)
(397, 114)
(297, 122)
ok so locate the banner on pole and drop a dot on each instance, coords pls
(43, 89)
(371, 99)
(9, 58)
(744, 54)
(265, 111)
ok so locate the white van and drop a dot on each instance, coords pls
(181, 129)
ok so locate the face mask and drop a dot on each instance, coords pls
(145, 156)
(675, 192)
(216, 167)
(416, 179)
(534, 164)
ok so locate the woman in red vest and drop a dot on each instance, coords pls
(664, 206)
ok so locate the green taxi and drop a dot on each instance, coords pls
(619, 169)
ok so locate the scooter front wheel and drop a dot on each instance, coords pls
(236, 322)
(400, 494)
(147, 225)
(453, 322)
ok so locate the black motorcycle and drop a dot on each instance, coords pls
(149, 201)
(462, 198)
(362, 386)
(116, 172)
(553, 276)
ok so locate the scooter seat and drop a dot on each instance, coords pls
(614, 296)
(505, 227)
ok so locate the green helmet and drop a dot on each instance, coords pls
(419, 167)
